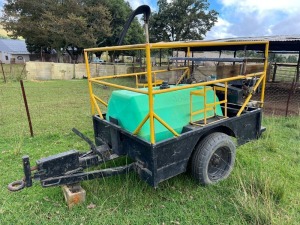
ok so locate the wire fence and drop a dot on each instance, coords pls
(283, 92)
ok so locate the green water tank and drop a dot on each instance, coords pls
(130, 108)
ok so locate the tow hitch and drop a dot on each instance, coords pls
(67, 168)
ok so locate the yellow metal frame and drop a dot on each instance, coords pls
(207, 106)
(150, 74)
(157, 81)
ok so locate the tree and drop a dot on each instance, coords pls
(249, 54)
(181, 20)
(292, 59)
(120, 12)
(278, 58)
(3, 37)
(57, 24)
(49, 24)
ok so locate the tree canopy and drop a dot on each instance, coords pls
(120, 12)
(181, 20)
(57, 24)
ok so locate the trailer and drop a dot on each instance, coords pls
(165, 129)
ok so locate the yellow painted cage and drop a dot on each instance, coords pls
(152, 81)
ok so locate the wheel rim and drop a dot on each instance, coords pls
(219, 164)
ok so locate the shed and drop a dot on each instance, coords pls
(13, 51)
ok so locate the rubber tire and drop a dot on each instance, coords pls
(205, 151)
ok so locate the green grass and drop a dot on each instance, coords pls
(263, 188)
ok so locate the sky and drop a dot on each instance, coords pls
(249, 18)
(246, 18)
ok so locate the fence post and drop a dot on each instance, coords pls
(3, 71)
(274, 73)
(298, 64)
(26, 107)
(23, 69)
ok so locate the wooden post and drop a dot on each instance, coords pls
(274, 73)
(234, 56)
(220, 53)
(74, 72)
(269, 71)
(160, 57)
(140, 54)
(298, 64)
(193, 63)
(23, 69)
(3, 72)
(243, 69)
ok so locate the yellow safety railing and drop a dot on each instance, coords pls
(185, 74)
(207, 106)
(151, 116)
(155, 73)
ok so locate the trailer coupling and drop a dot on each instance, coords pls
(67, 168)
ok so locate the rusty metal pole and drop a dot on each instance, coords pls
(3, 72)
(26, 107)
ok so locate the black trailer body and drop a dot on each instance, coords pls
(163, 160)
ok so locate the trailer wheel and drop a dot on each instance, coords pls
(213, 159)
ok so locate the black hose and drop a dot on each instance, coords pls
(143, 9)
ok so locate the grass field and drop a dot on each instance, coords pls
(263, 188)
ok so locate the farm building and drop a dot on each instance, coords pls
(13, 51)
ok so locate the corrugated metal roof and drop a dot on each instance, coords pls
(282, 38)
(283, 43)
(13, 46)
